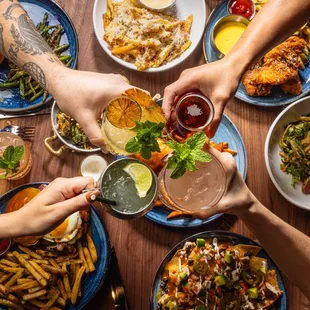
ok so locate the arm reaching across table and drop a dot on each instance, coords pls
(277, 20)
(287, 246)
(82, 95)
(48, 209)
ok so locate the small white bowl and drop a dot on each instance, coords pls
(280, 179)
(162, 9)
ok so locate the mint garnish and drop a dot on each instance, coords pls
(10, 159)
(186, 154)
(145, 142)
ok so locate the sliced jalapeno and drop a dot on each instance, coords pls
(201, 268)
(251, 276)
(230, 302)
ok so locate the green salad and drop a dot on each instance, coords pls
(295, 153)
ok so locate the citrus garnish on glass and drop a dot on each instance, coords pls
(122, 115)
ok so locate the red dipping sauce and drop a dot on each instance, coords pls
(4, 246)
(241, 7)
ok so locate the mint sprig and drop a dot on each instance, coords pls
(186, 154)
(145, 141)
(11, 159)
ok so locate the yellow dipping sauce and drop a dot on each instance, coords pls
(228, 35)
(156, 4)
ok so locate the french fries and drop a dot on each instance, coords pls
(76, 286)
(89, 261)
(81, 255)
(47, 280)
(91, 248)
(41, 271)
(28, 251)
(32, 271)
(146, 38)
(66, 281)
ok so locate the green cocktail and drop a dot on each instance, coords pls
(132, 184)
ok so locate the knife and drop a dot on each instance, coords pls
(42, 112)
(116, 283)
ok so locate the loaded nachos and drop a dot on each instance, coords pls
(208, 274)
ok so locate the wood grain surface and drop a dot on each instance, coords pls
(140, 244)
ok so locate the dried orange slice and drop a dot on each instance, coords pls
(123, 112)
(151, 110)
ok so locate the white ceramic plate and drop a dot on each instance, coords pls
(183, 8)
(281, 180)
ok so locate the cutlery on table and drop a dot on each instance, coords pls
(26, 133)
(41, 112)
(117, 287)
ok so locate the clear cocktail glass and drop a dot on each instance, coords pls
(25, 164)
(194, 191)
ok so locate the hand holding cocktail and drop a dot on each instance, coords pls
(217, 81)
(238, 199)
(48, 208)
(90, 92)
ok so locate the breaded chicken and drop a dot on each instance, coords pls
(292, 87)
(279, 66)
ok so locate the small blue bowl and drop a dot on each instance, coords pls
(10, 99)
(92, 282)
(281, 304)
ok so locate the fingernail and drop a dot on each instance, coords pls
(104, 150)
(91, 196)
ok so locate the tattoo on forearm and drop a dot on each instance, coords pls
(8, 13)
(2, 49)
(36, 72)
(27, 39)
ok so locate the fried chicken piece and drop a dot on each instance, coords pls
(252, 88)
(279, 66)
(274, 73)
(292, 87)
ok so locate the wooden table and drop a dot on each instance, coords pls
(140, 244)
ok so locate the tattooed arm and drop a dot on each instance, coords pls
(82, 95)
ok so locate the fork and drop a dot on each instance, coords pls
(26, 133)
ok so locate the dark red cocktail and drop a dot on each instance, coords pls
(194, 112)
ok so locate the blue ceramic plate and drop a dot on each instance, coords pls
(10, 100)
(227, 131)
(281, 304)
(277, 97)
(91, 282)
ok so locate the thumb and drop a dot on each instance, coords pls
(90, 125)
(178, 88)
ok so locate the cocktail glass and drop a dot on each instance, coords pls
(116, 138)
(116, 184)
(7, 139)
(194, 191)
(194, 112)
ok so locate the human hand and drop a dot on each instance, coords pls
(54, 204)
(84, 95)
(218, 81)
(238, 199)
